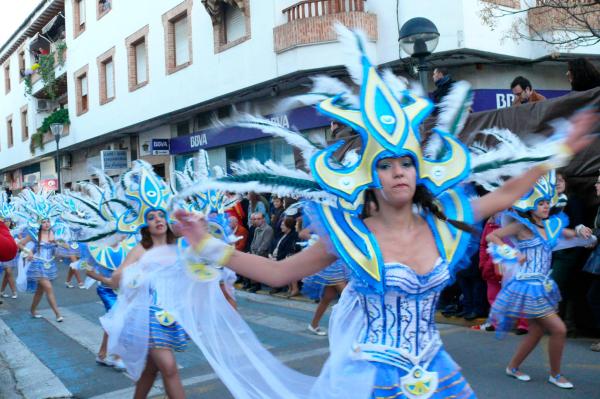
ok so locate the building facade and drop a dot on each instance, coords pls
(146, 79)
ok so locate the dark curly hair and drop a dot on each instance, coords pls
(147, 242)
(584, 75)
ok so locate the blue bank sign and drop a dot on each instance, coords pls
(160, 146)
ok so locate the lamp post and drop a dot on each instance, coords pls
(57, 129)
(418, 37)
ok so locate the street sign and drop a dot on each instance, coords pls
(113, 159)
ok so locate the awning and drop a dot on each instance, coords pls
(55, 28)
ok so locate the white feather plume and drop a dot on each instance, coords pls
(352, 42)
(396, 84)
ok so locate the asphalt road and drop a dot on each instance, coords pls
(44, 359)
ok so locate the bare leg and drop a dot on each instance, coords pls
(37, 297)
(329, 294)
(293, 288)
(103, 345)
(528, 344)
(47, 287)
(144, 384)
(165, 361)
(4, 280)
(558, 333)
(71, 273)
(8, 276)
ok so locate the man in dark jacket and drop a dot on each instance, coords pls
(443, 83)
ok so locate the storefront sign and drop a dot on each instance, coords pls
(113, 159)
(489, 99)
(299, 119)
(160, 146)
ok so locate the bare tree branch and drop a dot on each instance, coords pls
(561, 23)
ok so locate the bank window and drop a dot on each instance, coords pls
(178, 37)
(21, 64)
(263, 150)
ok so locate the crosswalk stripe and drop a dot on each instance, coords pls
(78, 328)
(277, 322)
(34, 380)
(128, 392)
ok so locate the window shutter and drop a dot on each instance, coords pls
(235, 23)
(182, 50)
(140, 63)
(109, 73)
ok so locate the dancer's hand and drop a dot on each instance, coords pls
(579, 135)
(191, 225)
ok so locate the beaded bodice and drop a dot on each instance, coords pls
(538, 253)
(401, 322)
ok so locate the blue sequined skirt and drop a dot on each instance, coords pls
(524, 298)
(39, 269)
(107, 296)
(450, 381)
(333, 274)
(11, 264)
(171, 336)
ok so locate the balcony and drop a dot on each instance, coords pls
(311, 22)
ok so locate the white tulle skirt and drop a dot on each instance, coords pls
(239, 359)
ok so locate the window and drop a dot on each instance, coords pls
(81, 87)
(78, 17)
(141, 62)
(137, 59)
(231, 22)
(103, 7)
(7, 78)
(9, 132)
(235, 24)
(178, 37)
(106, 76)
(24, 124)
(21, 64)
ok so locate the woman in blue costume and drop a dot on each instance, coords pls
(383, 338)
(40, 214)
(530, 292)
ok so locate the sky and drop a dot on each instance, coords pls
(12, 15)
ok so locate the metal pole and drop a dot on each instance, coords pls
(57, 138)
(422, 69)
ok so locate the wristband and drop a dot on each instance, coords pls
(205, 257)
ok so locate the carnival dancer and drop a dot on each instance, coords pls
(101, 251)
(39, 213)
(530, 292)
(9, 267)
(383, 339)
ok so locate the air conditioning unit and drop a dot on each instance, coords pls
(66, 161)
(44, 105)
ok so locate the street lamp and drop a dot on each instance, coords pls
(418, 38)
(57, 129)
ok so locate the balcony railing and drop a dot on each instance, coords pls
(317, 8)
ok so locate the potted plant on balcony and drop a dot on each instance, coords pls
(37, 139)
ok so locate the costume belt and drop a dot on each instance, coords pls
(418, 383)
(545, 279)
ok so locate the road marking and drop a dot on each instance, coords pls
(277, 301)
(86, 333)
(34, 380)
(277, 323)
(128, 392)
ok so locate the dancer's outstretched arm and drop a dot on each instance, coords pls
(133, 256)
(504, 197)
(268, 271)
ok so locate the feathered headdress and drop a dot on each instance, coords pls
(6, 207)
(145, 191)
(32, 208)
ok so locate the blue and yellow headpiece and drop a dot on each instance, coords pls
(146, 192)
(543, 190)
(389, 127)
